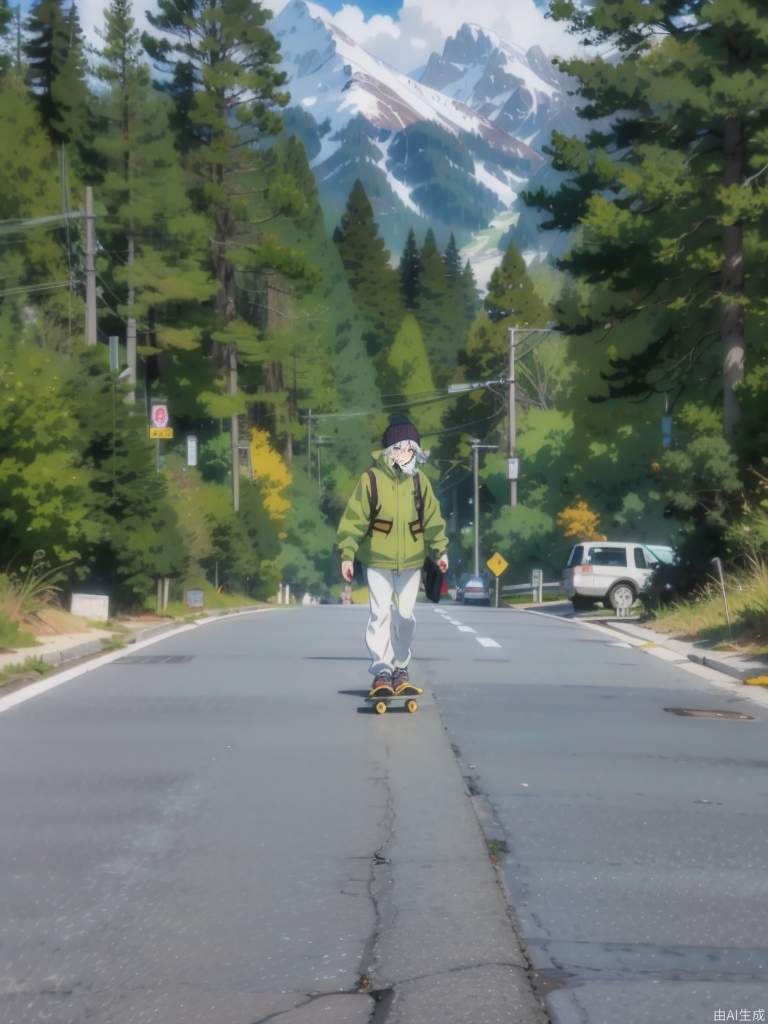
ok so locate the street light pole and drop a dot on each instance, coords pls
(512, 414)
(476, 446)
(512, 418)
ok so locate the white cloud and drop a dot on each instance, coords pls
(425, 24)
(420, 27)
(352, 20)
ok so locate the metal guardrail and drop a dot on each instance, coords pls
(522, 588)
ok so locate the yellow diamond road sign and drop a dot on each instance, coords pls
(497, 564)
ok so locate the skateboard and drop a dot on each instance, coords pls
(381, 703)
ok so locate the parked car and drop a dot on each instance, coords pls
(615, 572)
(473, 590)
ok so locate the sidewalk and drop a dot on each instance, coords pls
(750, 669)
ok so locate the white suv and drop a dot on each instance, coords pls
(611, 571)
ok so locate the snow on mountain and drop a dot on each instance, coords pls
(336, 79)
(451, 151)
(519, 91)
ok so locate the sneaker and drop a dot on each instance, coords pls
(382, 686)
(402, 683)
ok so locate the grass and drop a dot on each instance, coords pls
(13, 636)
(212, 601)
(703, 618)
(528, 598)
(28, 665)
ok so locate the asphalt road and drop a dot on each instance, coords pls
(213, 829)
(638, 861)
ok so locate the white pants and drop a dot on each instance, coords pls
(390, 630)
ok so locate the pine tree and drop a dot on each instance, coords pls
(226, 58)
(470, 300)
(511, 295)
(410, 271)
(411, 373)
(670, 191)
(56, 72)
(156, 243)
(452, 260)
(5, 23)
(373, 281)
(435, 313)
(37, 259)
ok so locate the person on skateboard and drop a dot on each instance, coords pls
(391, 522)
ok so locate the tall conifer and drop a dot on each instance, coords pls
(434, 311)
(373, 280)
(410, 271)
(56, 71)
(156, 245)
(671, 191)
(224, 61)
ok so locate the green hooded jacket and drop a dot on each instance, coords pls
(396, 541)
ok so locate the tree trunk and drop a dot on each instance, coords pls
(732, 277)
(732, 312)
(130, 328)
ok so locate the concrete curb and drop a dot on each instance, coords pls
(745, 670)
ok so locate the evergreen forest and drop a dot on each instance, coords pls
(283, 342)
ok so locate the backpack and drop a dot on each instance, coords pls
(431, 576)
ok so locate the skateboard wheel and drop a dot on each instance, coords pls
(380, 707)
(412, 706)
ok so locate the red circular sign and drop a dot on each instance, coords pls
(159, 415)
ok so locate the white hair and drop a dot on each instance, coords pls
(420, 457)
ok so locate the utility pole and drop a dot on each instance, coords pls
(234, 427)
(90, 269)
(512, 418)
(476, 446)
(309, 441)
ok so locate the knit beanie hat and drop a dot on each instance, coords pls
(400, 429)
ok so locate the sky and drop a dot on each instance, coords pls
(405, 32)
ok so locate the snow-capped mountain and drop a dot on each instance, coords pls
(519, 91)
(451, 150)
(334, 78)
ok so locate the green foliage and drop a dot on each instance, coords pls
(528, 539)
(47, 503)
(669, 193)
(34, 258)
(371, 278)
(700, 479)
(137, 536)
(56, 72)
(411, 373)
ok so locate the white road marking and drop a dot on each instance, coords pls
(35, 689)
(486, 641)
(619, 643)
(466, 629)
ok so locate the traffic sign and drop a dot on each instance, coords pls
(497, 564)
(160, 433)
(513, 469)
(159, 414)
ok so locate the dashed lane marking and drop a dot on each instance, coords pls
(466, 629)
(486, 641)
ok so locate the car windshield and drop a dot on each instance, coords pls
(661, 553)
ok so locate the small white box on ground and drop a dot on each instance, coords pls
(90, 606)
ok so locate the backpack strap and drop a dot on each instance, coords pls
(373, 500)
(418, 500)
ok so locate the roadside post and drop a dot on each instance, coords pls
(498, 565)
(718, 564)
(537, 585)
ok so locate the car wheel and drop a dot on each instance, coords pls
(581, 603)
(621, 596)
